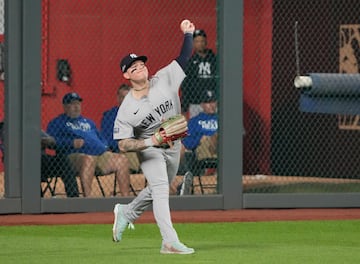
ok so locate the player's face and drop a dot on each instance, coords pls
(199, 44)
(209, 107)
(137, 71)
(73, 109)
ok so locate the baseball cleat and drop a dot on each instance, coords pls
(120, 223)
(176, 248)
(187, 184)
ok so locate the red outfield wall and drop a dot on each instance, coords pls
(93, 38)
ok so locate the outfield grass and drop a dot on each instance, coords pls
(250, 242)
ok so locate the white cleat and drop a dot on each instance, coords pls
(176, 248)
(120, 223)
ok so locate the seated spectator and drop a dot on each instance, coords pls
(201, 143)
(203, 128)
(78, 138)
(107, 128)
(57, 165)
(108, 118)
(51, 165)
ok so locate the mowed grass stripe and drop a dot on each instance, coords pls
(250, 242)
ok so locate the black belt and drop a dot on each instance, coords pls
(163, 146)
(166, 146)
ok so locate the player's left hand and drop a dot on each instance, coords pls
(187, 26)
(170, 130)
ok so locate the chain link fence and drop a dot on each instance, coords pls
(2, 94)
(288, 147)
(83, 43)
(313, 143)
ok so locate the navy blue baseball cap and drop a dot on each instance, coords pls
(69, 97)
(208, 96)
(129, 59)
(199, 32)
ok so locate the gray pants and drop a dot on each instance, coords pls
(159, 166)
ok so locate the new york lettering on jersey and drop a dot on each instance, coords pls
(164, 107)
(161, 110)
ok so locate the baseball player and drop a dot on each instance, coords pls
(147, 105)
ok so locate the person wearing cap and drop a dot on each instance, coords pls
(107, 127)
(204, 126)
(78, 138)
(200, 74)
(201, 143)
(108, 118)
(149, 102)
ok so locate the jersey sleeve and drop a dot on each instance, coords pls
(174, 75)
(122, 128)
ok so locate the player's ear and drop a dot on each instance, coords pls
(126, 75)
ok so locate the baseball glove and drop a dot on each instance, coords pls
(171, 129)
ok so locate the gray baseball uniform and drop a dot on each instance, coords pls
(139, 118)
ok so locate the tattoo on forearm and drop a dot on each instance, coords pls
(130, 144)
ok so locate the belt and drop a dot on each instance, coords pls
(163, 146)
(167, 146)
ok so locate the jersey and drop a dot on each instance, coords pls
(201, 125)
(140, 118)
(200, 75)
(65, 129)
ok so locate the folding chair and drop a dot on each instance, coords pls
(114, 192)
(134, 170)
(53, 167)
(50, 185)
(198, 168)
(203, 165)
(51, 179)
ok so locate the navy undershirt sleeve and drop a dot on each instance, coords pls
(186, 50)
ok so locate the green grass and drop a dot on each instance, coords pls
(250, 242)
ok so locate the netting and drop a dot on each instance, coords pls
(83, 43)
(302, 141)
(2, 95)
(294, 142)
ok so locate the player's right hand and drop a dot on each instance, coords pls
(187, 26)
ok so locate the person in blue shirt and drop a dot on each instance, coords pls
(204, 126)
(108, 118)
(201, 143)
(107, 128)
(78, 138)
